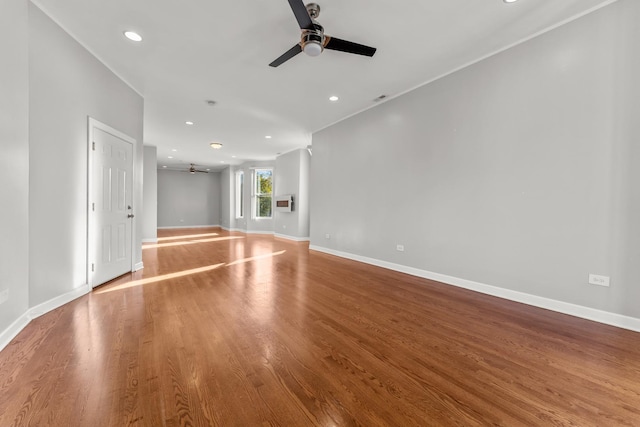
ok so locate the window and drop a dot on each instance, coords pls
(240, 194)
(263, 192)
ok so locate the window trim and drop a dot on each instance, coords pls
(239, 192)
(255, 194)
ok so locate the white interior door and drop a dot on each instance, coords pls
(110, 208)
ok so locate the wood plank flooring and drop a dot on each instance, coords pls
(227, 329)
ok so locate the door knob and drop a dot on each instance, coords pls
(130, 216)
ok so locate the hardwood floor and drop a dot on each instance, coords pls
(242, 330)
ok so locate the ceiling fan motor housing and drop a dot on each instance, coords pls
(312, 41)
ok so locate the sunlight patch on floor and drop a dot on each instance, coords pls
(190, 236)
(253, 258)
(155, 279)
(190, 242)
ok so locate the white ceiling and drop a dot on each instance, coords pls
(201, 50)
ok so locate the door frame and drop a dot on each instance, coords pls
(91, 234)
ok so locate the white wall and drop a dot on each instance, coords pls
(66, 85)
(292, 177)
(150, 195)
(14, 163)
(188, 200)
(518, 172)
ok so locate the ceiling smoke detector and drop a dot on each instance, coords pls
(210, 102)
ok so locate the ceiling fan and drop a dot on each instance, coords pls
(313, 40)
(193, 170)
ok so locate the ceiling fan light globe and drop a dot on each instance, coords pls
(312, 48)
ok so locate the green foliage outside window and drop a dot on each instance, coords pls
(264, 192)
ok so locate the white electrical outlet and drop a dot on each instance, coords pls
(327, 236)
(400, 248)
(594, 279)
(4, 296)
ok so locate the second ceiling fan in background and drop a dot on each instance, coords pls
(192, 169)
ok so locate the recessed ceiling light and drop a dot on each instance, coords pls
(164, 166)
(174, 150)
(188, 123)
(216, 145)
(169, 157)
(233, 157)
(208, 169)
(268, 137)
(221, 161)
(333, 98)
(510, 1)
(133, 36)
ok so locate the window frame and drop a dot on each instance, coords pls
(257, 194)
(239, 191)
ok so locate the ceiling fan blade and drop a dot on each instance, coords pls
(334, 43)
(287, 56)
(302, 16)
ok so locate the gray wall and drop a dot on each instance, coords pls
(303, 207)
(292, 177)
(67, 84)
(50, 85)
(150, 195)
(188, 200)
(14, 162)
(227, 217)
(516, 172)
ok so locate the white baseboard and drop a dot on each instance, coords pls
(295, 239)
(138, 266)
(188, 226)
(58, 301)
(19, 324)
(242, 230)
(608, 318)
(232, 229)
(150, 240)
(14, 329)
(259, 232)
